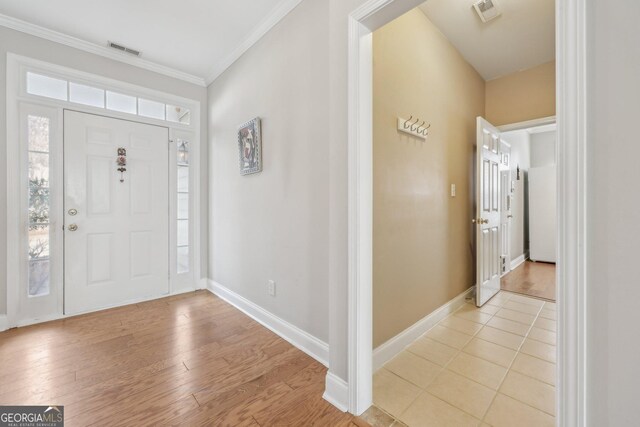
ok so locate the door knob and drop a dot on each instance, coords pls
(73, 212)
(509, 216)
(73, 227)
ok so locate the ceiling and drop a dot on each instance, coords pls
(521, 38)
(197, 37)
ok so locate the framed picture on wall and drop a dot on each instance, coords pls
(250, 147)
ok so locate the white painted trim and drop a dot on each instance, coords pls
(515, 263)
(572, 206)
(57, 37)
(336, 392)
(528, 124)
(571, 152)
(270, 21)
(4, 324)
(304, 341)
(391, 348)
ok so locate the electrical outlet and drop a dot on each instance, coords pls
(271, 288)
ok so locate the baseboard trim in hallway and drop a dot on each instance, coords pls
(304, 341)
(388, 350)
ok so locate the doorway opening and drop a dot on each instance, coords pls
(571, 208)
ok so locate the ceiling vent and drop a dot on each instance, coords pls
(124, 49)
(487, 10)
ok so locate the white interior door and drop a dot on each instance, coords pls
(116, 232)
(505, 208)
(487, 211)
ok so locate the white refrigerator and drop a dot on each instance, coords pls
(542, 214)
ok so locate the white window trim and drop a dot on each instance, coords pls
(17, 67)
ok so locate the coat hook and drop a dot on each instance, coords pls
(408, 120)
(418, 128)
(412, 124)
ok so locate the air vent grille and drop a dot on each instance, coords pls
(487, 10)
(124, 49)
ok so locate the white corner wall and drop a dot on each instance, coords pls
(275, 224)
(613, 233)
(44, 50)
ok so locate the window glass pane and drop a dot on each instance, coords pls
(183, 179)
(39, 167)
(183, 232)
(183, 260)
(39, 278)
(37, 84)
(183, 206)
(86, 95)
(120, 102)
(38, 203)
(182, 151)
(39, 261)
(178, 114)
(38, 129)
(152, 109)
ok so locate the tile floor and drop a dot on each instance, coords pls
(488, 366)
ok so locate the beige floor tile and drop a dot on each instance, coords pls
(427, 410)
(448, 336)
(508, 412)
(432, 350)
(496, 336)
(543, 335)
(489, 351)
(462, 393)
(488, 309)
(517, 316)
(535, 368)
(399, 424)
(523, 308)
(549, 325)
(470, 312)
(375, 417)
(479, 370)
(527, 300)
(539, 349)
(548, 314)
(461, 325)
(530, 391)
(391, 393)
(550, 305)
(413, 368)
(509, 325)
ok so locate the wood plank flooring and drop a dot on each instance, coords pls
(189, 360)
(536, 279)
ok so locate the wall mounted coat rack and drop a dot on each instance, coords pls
(414, 126)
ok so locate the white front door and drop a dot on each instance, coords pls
(116, 243)
(487, 211)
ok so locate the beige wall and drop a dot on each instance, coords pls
(275, 224)
(521, 96)
(422, 236)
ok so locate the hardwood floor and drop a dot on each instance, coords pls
(189, 360)
(536, 279)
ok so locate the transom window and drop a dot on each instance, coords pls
(66, 90)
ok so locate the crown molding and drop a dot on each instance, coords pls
(57, 37)
(282, 10)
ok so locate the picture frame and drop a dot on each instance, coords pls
(250, 147)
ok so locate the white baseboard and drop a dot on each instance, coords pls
(336, 392)
(519, 260)
(4, 323)
(387, 351)
(306, 342)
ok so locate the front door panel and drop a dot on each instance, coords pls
(116, 223)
